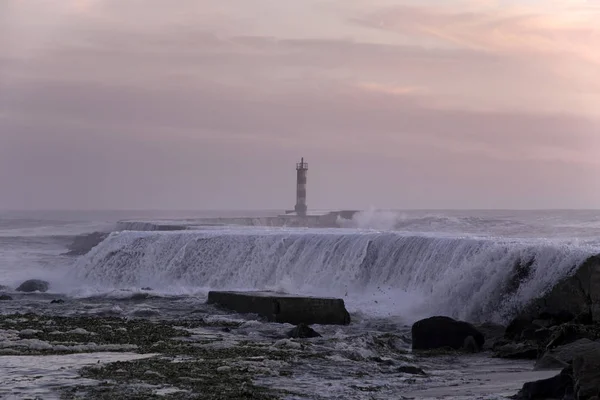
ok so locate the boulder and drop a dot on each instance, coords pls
(517, 351)
(515, 328)
(440, 332)
(548, 361)
(33, 285)
(575, 295)
(409, 369)
(567, 353)
(5, 297)
(586, 375)
(557, 387)
(569, 333)
(470, 345)
(303, 331)
(57, 301)
(493, 334)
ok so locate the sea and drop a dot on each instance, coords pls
(391, 267)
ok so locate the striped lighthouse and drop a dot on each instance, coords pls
(301, 172)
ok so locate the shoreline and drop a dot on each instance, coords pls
(223, 358)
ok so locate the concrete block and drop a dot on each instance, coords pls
(284, 308)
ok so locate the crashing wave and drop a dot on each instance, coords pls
(473, 279)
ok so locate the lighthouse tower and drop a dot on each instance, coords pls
(301, 172)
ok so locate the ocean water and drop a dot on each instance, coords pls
(383, 263)
(390, 267)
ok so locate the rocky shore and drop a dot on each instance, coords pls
(185, 359)
(198, 350)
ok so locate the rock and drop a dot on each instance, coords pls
(517, 351)
(83, 244)
(567, 353)
(303, 331)
(493, 334)
(409, 369)
(543, 323)
(586, 375)
(529, 333)
(470, 345)
(147, 288)
(4, 288)
(5, 297)
(516, 327)
(585, 318)
(33, 285)
(549, 361)
(439, 332)
(575, 295)
(57, 301)
(569, 333)
(282, 307)
(557, 387)
(542, 335)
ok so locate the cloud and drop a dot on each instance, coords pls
(217, 94)
(563, 31)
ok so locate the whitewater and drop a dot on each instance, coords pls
(467, 265)
(390, 267)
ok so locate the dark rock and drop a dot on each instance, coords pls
(520, 273)
(493, 334)
(585, 318)
(382, 361)
(282, 307)
(563, 317)
(85, 243)
(543, 323)
(439, 332)
(529, 333)
(5, 297)
(516, 327)
(470, 345)
(4, 288)
(567, 353)
(409, 369)
(586, 375)
(553, 388)
(147, 288)
(57, 301)
(549, 361)
(303, 331)
(569, 333)
(517, 351)
(577, 294)
(226, 330)
(542, 335)
(33, 285)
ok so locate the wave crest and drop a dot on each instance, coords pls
(386, 273)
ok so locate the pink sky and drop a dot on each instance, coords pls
(209, 104)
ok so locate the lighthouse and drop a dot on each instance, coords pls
(301, 172)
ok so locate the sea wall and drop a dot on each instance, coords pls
(328, 220)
